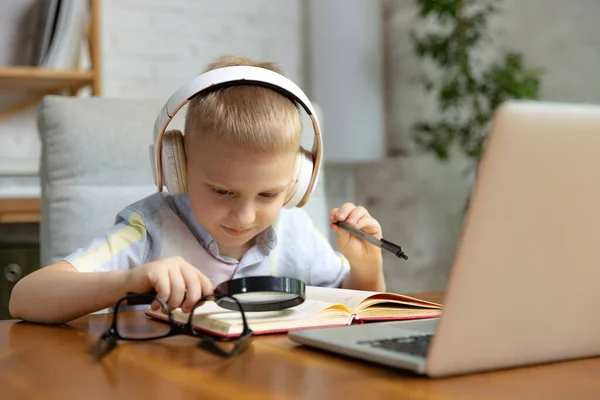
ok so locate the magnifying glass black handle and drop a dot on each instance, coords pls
(140, 300)
(293, 287)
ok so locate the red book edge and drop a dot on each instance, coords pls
(354, 320)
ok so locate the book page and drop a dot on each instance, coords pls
(349, 298)
(302, 311)
(357, 300)
(398, 312)
(217, 319)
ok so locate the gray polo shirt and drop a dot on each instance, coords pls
(163, 225)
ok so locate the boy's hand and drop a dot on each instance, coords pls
(172, 279)
(359, 253)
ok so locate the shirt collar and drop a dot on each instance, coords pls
(265, 241)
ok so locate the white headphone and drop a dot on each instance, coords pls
(167, 155)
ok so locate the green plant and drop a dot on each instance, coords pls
(469, 87)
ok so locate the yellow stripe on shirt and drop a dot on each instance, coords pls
(114, 243)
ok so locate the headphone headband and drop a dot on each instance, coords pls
(234, 76)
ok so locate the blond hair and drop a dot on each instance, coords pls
(252, 118)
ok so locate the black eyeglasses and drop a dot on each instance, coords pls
(120, 329)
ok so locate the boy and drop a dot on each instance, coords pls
(240, 145)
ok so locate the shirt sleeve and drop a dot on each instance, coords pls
(327, 267)
(122, 247)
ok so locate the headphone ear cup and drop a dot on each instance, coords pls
(174, 162)
(303, 172)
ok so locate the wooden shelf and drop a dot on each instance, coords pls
(46, 81)
(20, 210)
(43, 79)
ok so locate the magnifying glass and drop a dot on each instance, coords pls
(257, 293)
(262, 293)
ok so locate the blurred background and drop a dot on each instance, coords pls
(405, 89)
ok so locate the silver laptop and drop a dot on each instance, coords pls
(525, 284)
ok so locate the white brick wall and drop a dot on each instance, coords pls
(150, 48)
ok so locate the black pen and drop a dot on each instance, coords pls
(381, 243)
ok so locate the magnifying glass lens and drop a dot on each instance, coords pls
(263, 297)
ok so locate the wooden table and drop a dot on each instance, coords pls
(52, 362)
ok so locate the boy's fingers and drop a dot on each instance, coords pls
(163, 289)
(206, 284)
(356, 214)
(344, 211)
(369, 225)
(332, 214)
(155, 305)
(193, 289)
(337, 229)
(177, 288)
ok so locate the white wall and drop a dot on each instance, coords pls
(151, 47)
(418, 200)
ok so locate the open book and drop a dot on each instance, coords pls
(323, 307)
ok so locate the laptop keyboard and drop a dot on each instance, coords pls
(414, 345)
